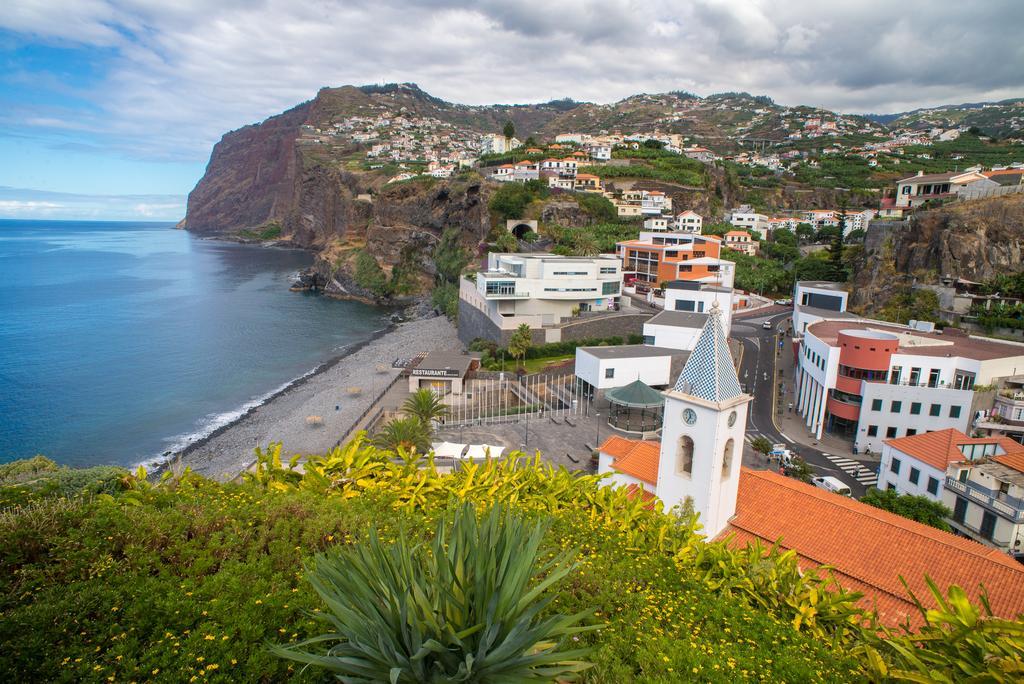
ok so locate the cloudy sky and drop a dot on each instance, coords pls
(109, 108)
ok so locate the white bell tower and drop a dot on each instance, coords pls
(702, 434)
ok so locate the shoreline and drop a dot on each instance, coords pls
(339, 391)
(175, 456)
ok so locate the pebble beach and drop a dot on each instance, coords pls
(338, 393)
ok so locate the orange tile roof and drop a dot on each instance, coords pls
(868, 548)
(1013, 460)
(941, 447)
(616, 446)
(645, 494)
(634, 457)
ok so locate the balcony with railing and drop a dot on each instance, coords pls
(1004, 505)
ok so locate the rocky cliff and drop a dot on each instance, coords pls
(972, 240)
(263, 177)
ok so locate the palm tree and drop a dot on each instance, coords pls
(520, 342)
(407, 433)
(425, 405)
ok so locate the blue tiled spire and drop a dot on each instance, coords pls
(709, 373)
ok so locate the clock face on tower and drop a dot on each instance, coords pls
(732, 419)
(689, 416)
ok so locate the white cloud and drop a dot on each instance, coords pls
(24, 203)
(186, 72)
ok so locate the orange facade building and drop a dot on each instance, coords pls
(665, 257)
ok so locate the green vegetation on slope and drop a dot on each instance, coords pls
(191, 578)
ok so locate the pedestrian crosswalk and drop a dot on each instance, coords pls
(860, 472)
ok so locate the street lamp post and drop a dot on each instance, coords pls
(597, 430)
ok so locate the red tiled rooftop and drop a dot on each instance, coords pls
(869, 549)
(958, 342)
(1014, 459)
(942, 447)
(633, 457)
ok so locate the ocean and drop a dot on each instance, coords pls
(120, 341)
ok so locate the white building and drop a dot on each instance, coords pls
(689, 222)
(541, 289)
(525, 171)
(914, 191)
(986, 495)
(656, 223)
(816, 300)
(871, 381)
(740, 241)
(917, 464)
(575, 138)
(493, 143)
(674, 329)
(751, 221)
(603, 368)
(599, 152)
(690, 296)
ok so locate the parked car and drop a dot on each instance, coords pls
(767, 325)
(641, 288)
(832, 484)
(784, 302)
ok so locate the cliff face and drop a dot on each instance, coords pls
(973, 241)
(262, 174)
(250, 179)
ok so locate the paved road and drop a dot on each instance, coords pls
(759, 376)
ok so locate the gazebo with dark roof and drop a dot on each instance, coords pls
(635, 407)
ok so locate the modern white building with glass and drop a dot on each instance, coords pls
(542, 289)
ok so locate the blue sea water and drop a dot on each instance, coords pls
(118, 341)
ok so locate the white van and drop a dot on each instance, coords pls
(832, 484)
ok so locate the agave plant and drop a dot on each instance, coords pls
(425, 405)
(467, 607)
(403, 433)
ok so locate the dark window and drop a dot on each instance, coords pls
(911, 432)
(890, 432)
(915, 376)
(915, 408)
(896, 406)
(609, 372)
(960, 509)
(895, 377)
(685, 305)
(895, 465)
(872, 430)
(933, 378)
(954, 411)
(876, 404)
(915, 475)
(933, 486)
(988, 524)
(891, 486)
(649, 339)
(935, 410)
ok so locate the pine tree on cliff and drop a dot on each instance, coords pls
(509, 131)
(835, 250)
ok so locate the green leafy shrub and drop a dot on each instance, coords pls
(29, 480)
(465, 608)
(958, 643)
(193, 578)
(370, 275)
(916, 507)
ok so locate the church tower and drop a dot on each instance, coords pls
(702, 433)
